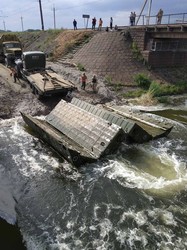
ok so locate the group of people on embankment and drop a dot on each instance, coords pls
(97, 25)
(132, 19)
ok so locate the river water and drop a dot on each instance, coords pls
(134, 199)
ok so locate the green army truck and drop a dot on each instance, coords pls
(43, 81)
(10, 49)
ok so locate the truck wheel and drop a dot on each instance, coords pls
(30, 85)
(37, 94)
(33, 89)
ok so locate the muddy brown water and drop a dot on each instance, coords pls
(134, 199)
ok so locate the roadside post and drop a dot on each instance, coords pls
(86, 19)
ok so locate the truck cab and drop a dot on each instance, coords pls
(10, 49)
(34, 61)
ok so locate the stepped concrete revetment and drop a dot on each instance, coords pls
(109, 54)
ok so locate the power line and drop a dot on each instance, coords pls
(27, 8)
(76, 6)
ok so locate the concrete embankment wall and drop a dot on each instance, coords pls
(109, 54)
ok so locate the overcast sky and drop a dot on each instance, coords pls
(18, 14)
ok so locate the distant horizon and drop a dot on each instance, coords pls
(25, 14)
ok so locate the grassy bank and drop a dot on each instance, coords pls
(155, 91)
(55, 43)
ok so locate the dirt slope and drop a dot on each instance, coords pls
(55, 43)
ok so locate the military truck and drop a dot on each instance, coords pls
(43, 81)
(10, 49)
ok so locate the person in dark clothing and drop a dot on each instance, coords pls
(159, 16)
(94, 83)
(131, 19)
(111, 23)
(75, 24)
(93, 23)
(134, 18)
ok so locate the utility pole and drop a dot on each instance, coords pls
(149, 11)
(54, 16)
(42, 22)
(141, 11)
(22, 23)
(4, 25)
(4, 22)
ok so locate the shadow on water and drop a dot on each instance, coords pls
(10, 237)
(176, 115)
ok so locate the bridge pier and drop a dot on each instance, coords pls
(161, 45)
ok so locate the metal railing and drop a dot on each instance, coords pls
(178, 18)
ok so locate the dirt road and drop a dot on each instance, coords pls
(16, 97)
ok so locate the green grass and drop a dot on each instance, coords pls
(160, 89)
(136, 52)
(142, 81)
(163, 99)
(118, 86)
(151, 91)
(108, 80)
(80, 67)
(133, 93)
(55, 31)
(115, 86)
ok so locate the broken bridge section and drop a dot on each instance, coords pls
(91, 132)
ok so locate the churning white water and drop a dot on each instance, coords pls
(134, 199)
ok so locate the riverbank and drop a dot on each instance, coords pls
(18, 97)
(93, 52)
